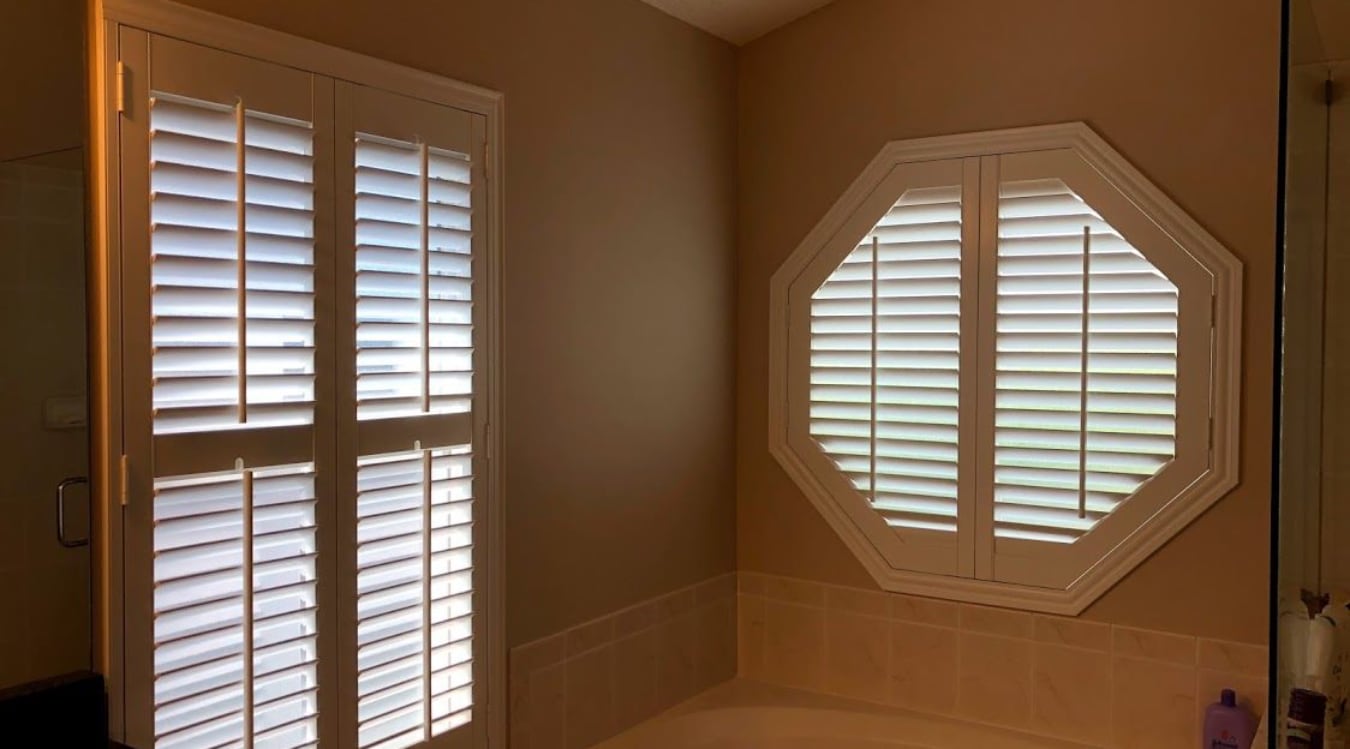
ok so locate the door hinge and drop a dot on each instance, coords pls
(121, 87)
(124, 480)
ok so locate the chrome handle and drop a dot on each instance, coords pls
(61, 512)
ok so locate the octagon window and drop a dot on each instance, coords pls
(1005, 368)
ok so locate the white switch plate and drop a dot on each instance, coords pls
(65, 412)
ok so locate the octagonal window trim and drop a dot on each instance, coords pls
(974, 562)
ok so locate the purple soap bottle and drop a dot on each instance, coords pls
(1228, 726)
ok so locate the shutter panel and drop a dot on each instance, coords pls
(413, 283)
(1086, 366)
(232, 208)
(414, 595)
(413, 461)
(885, 362)
(235, 604)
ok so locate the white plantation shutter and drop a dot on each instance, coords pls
(1086, 363)
(414, 595)
(235, 610)
(232, 208)
(413, 282)
(885, 362)
(301, 328)
(412, 457)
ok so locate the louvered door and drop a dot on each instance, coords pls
(411, 238)
(223, 208)
(883, 391)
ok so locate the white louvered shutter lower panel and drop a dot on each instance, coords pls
(885, 362)
(414, 596)
(1086, 366)
(235, 604)
(232, 208)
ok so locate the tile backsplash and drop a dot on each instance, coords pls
(1084, 681)
(578, 687)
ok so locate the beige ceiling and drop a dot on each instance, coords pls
(738, 21)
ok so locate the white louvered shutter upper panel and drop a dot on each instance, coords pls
(232, 241)
(414, 279)
(1086, 366)
(885, 362)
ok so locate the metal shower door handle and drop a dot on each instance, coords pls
(61, 512)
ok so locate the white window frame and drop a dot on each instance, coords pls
(115, 479)
(891, 561)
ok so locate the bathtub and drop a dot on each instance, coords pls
(746, 715)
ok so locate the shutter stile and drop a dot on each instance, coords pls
(1086, 366)
(885, 357)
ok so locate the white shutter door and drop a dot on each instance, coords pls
(220, 214)
(414, 424)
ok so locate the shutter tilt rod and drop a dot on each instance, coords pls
(1083, 375)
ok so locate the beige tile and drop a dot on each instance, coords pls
(857, 601)
(634, 619)
(1251, 692)
(750, 636)
(518, 707)
(635, 679)
(674, 604)
(589, 636)
(715, 589)
(1158, 646)
(857, 652)
(1154, 706)
(788, 590)
(675, 660)
(924, 611)
(590, 698)
(923, 667)
(548, 708)
(794, 645)
(1058, 630)
(533, 656)
(991, 621)
(714, 643)
(995, 679)
(750, 582)
(1071, 693)
(1234, 657)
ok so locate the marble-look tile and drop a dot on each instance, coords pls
(857, 653)
(590, 698)
(548, 707)
(992, 621)
(634, 619)
(794, 645)
(1234, 657)
(857, 601)
(715, 642)
(923, 667)
(715, 589)
(675, 660)
(635, 679)
(750, 582)
(925, 611)
(1071, 693)
(1158, 646)
(1154, 706)
(788, 590)
(589, 636)
(750, 636)
(995, 679)
(1058, 630)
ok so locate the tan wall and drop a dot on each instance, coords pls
(1188, 91)
(40, 44)
(619, 351)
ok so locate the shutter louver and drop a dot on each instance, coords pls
(414, 596)
(235, 610)
(414, 300)
(1086, 362)
(885, 362)
(233, 267)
